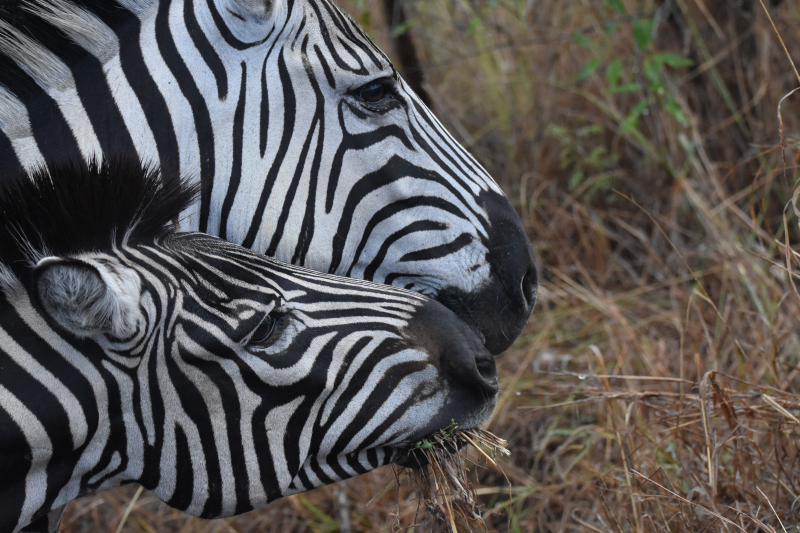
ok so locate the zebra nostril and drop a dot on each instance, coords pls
(528, 287)
(486, 368)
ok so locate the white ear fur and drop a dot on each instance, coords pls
(88, 297)
(254, 8)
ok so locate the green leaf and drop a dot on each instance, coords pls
(617, 5)
(596, 157)
(613, 72)
(583, 40)
(554, 130)
(576, 179)
(591, 129)
(612, 28)
(652, 71)
(642, 29)
(673, 60)
(588, 69)
(400, 29)
(473, 25)
(629, 124)
(625, 88)
(675, 110)
(613, 75)
(603, 183)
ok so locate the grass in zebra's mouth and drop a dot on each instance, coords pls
(442, 474)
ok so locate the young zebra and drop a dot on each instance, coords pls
(310, 146)
(217, 378)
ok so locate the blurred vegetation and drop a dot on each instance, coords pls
(656, 387)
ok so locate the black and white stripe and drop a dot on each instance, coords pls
(217, 378)
(310, 146)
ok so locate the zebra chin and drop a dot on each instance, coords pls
(405, 456)
(317, 471)
(461, 409)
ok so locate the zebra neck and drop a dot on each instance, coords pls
(70, 441)
(48, 523)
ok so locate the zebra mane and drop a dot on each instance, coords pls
(33, 48)
(73, 207)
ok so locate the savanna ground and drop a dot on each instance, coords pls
(657, 385)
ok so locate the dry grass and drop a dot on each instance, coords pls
(657, 386)
(442, 475)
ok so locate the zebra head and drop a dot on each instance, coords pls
(311, 147)
(218, 378)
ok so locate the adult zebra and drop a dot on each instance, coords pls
(215, 377)
(311, 147)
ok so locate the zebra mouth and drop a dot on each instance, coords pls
(416, 457)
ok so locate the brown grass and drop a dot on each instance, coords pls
(441, 475)
(657, 386)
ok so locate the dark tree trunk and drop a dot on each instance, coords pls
(404, 48)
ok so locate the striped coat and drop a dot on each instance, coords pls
(217, 378)
(310, 146)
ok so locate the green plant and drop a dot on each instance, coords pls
(631, 68)
(591, 168)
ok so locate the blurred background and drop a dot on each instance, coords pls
(656, 386)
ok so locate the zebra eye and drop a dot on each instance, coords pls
(373, 92)
(263, 332)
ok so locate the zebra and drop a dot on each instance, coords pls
(217, 378)
(310, 146)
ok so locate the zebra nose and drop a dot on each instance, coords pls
(486, 379)
(514, 263)
(508, 299)
(529, 286)
(455, 348)
(468, 363)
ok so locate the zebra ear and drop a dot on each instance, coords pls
(88, 297)
(255, 8)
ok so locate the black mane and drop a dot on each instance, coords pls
(75, 207)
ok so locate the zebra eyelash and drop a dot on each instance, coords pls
(391, 101)
(264, 333)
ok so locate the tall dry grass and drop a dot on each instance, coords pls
(656, 387)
